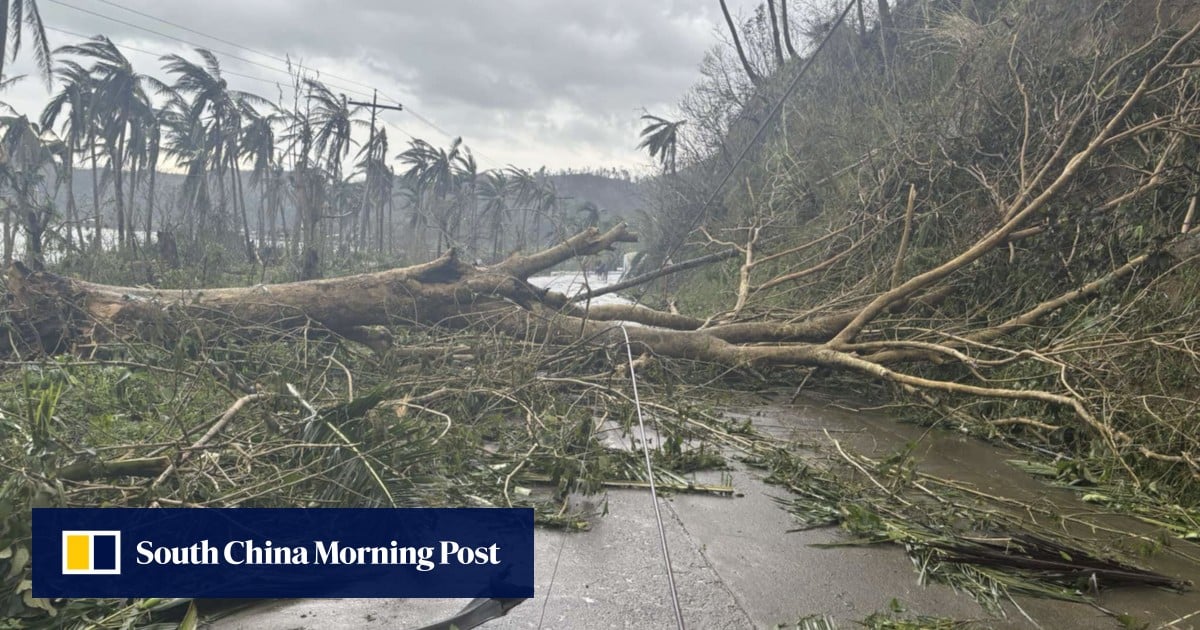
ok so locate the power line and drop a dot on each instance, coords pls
(238, 74)
(758, 134)
(196, 45)
(662, 532)
(429, 123)
(433, 125)
(317, 71)
(227, 42)
(157, 54)
(398, 128)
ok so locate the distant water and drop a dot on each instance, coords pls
(571, 283)
(53, 249)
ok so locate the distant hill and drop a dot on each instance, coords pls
(615, 197)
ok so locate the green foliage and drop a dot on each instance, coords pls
(947, 111)
(334, 425)
(989, 550)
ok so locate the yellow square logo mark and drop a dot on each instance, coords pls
(91, 552)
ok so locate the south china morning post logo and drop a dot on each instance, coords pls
(266, 553)
(90, 552)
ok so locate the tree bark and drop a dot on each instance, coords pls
(776, 45)
(447, 291)
(150, 201)
(117, 162)
(240, 200)
(862, 21)
(786, 26)
(887, 35)
(737, 44)
(87, 470)
(97, 239)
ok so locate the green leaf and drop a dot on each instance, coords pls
(20, 558)
(190, 620)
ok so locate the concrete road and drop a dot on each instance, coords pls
(735, 563)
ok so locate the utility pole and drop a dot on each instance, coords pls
(375, 106)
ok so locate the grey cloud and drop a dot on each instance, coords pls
(569, 78)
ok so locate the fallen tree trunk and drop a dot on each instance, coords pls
(62, 312)
(66, 314)
(446, 292)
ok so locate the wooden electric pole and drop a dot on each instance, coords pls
(375, 106)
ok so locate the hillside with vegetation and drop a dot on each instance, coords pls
(1007, 188)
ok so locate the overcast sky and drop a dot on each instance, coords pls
(559, 83)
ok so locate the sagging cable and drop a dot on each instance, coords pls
(662, 532)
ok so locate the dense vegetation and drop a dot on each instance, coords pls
(905, 145)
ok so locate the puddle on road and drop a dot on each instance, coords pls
(984, 467)
(866, 578)
(737, 565)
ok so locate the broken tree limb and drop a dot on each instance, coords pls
(654, 275)
(209, 435)
(89, 469)
(585, 243)
(64, 311)
(1029, 202)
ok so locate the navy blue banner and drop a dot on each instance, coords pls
(251, 552)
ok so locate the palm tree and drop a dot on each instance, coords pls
(119, 106)
(545, 206)
(383, 189)
(257, 146)
(201, 124)
(333, 125)
(148, 152)
(333, 122)
(418, 221)
(466, 174)
(524, 186)
(187, 145)
(26, 158)
(18, 15)
(308, 188)
(493, 192)
(218, 111)
(79, 130)
(661, 139)
(377, 187)
(433, 174)
(75, 100)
